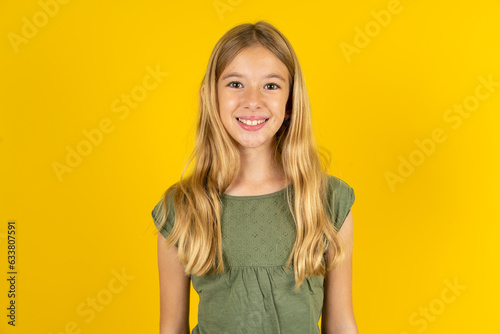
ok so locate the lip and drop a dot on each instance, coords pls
(253, 118)
(252, 127)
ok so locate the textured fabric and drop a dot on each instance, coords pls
(256, 294)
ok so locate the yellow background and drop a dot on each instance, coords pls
(76, 232)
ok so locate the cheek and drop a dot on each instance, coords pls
(279, 104)
(225, 101)
(226, 109)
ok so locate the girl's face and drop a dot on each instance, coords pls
(252, 93)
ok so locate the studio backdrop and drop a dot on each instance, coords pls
(98, 102)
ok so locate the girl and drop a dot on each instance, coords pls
(256, 225)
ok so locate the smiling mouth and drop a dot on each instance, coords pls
(254, 122)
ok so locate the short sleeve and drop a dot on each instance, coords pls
(340, 199)
(157, 214)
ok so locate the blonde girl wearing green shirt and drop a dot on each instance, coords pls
(258, 268)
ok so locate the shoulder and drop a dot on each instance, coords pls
(163, 212)
(337, 183)
(339, 187)
(340, 198)
(166, 201)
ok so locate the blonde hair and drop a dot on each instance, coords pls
(197, 197)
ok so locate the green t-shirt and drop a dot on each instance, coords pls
(255, 294)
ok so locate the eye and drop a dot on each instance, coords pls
(234, 82)
(273, 84)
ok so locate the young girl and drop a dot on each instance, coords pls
(257, 224)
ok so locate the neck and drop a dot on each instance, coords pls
(258, 165)
(258, 169)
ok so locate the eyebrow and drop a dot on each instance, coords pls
(237, 75)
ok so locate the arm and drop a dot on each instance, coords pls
(174, 291)
(338, 315)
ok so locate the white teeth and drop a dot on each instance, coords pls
(248, 122)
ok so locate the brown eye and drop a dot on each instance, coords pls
(233, 82)
(272, 84)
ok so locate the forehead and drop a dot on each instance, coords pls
(256, 62)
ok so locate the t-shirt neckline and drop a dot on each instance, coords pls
(273, 194)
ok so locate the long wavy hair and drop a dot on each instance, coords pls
(197, 197)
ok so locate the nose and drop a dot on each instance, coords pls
(253, 98)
